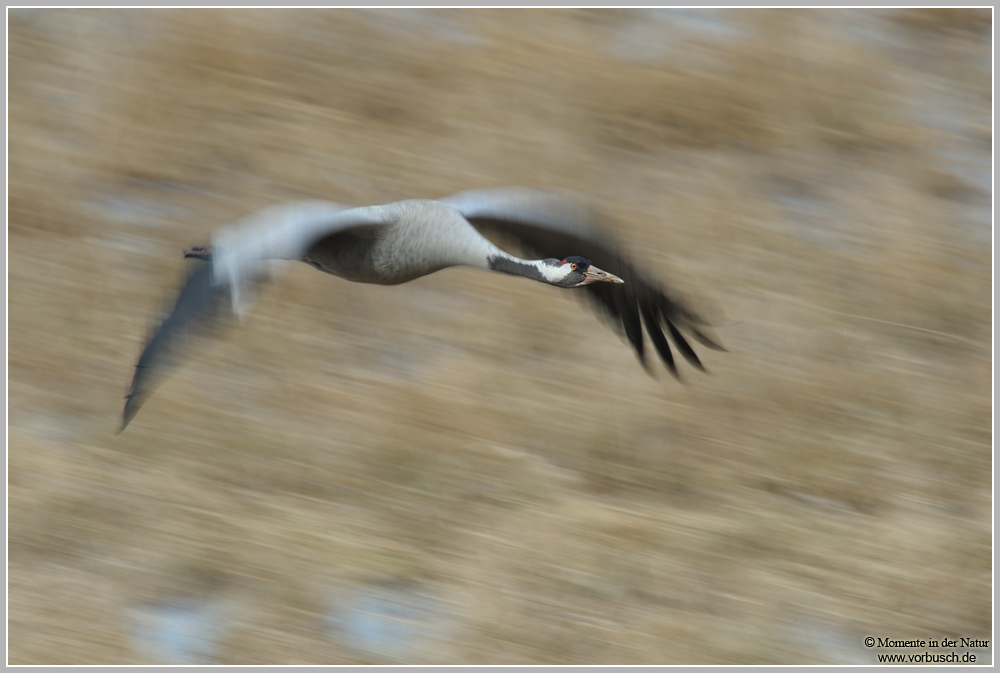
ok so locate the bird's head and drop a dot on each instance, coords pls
(577, 271)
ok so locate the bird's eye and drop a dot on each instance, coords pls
(573, 265)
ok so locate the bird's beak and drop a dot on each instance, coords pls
(595, 275)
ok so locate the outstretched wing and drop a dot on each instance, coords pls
(237, 261)
(197, 310)
(557, 224)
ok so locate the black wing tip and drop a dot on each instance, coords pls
(644, 361)
(707, 341)
(676, 313)
(649, 318)
(668, 363)
(672, 368)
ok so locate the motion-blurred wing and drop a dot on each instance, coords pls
(198, 308)
(238, 260)
(285, 231)
(557, 224)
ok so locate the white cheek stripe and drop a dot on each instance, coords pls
(554, 273)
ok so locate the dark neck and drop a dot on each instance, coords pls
(516, 267)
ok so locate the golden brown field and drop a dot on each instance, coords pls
(471, 468)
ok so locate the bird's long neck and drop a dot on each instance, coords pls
(536, 269)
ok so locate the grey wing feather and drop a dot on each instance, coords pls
(285, 231)
(553, 223)
(238, 261)
(198, 309)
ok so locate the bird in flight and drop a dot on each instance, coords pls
(398, 242)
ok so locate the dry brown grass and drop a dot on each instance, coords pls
(829, 480)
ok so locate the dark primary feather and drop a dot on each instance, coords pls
(553, 224)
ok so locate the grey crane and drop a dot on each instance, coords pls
(397, 242)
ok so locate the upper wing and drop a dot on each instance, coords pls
(238, 260)
(285, 231)
(197, 310)
(557, 224)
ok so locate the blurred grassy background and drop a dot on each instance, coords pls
(470, 468)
